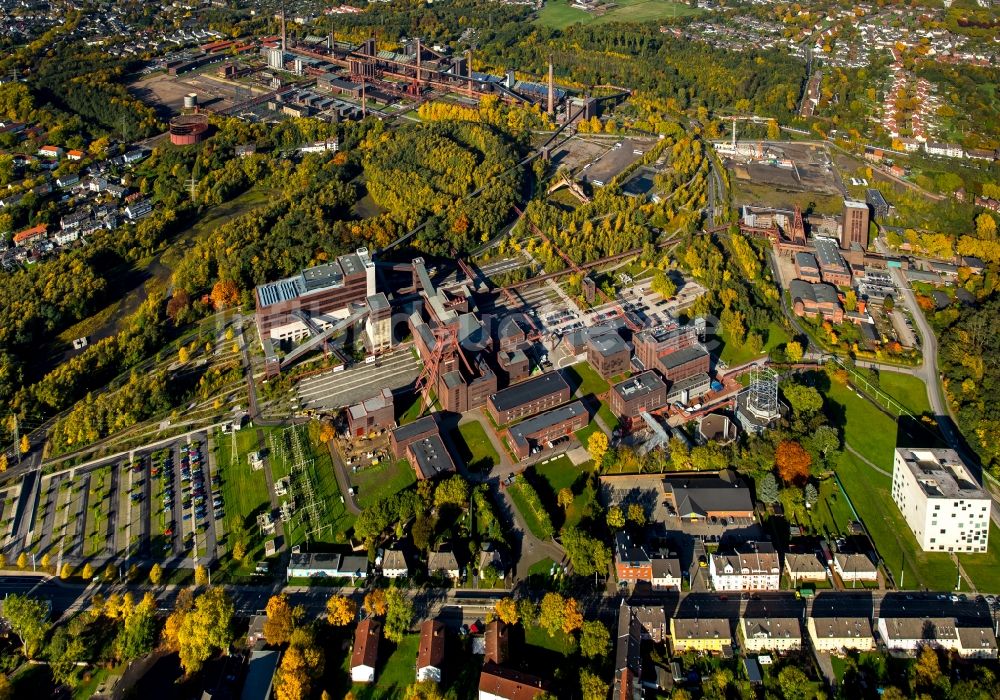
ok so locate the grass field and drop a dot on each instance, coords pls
(912, 568)
(244, 493)
(766, 195)
(560, 473)
(908, 390)
(372, 484)
(560, 643)
(866, 428)
(392, 677)
(583, 378)
(531, 517)
(985, 568)
(475, 448)
(831, 516)
(558, 14)
(328, 495)
(735, 356)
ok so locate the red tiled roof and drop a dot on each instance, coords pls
(512, 685)
(366, 641)
(30, 233)
(431, 652)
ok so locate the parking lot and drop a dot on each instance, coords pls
(156, 505)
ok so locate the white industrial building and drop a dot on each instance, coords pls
(940, 500)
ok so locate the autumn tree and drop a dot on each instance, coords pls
(792, 462)
(592, 686)
(66, 571)
(375, 602)
(793, 351)
(155, 574)
(399, 615)
(662, 284)
(506, 611)
(453, 491)
(636, 514)
(25, 444)
(137, 636)
(281, 620)
(88, 572)
(22, 560)
(804, 400)
(225, 294)
(6, 689)
(597, 446)
(200, 575)
(301, 666)
(572, 616)
(205, 629)
(595, 640)
(615, 518)
(565, 498)
(551, 613)
(423, 690)
(28, 619)
(340, 610)
(172, 627)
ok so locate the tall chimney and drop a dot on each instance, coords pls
(552, 90)
(468, 67)
(284, 45)
(418, 59)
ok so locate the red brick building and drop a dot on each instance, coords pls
(528, 398)
(816, 300)
(535, 434)
(420, 429)
(655, 342)
(632, 564)
(643, 392)
(608, 354)
(684, 363)
(376, 413)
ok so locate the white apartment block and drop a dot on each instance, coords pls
(940, 500)
(752, 567)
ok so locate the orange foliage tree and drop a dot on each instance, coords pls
(793, 462)
(225, 293)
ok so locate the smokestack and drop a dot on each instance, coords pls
(552, 90)
(418, 59)
(468, 67)
(283, 37)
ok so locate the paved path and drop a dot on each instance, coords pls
(343, 481)
(532, 549)
(867, 461)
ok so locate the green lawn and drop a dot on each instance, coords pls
(541, 568)
(560, 643)
(558, 14)
(244, 491)
(908, 390)
(372, 484)
(585, 379)
(392, 677)
(607, 416)
(324, 482)
(869, 491)
(412, 411)
(832, 515)
(866, 428)
(985, 568)
(583, 434)
(561, 473)
(735, 356)
(526, 511)
(475, 448)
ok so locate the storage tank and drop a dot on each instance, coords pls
(190, 100)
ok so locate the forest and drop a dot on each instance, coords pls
(970, 362)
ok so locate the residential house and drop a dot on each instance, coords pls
(138, 209)
(753, 566)
(838, 635)
(74, 154)
(67, 181)
(632, 564)
(497, 642)
(29, 236)
(50, 152)
(430, 655)
(706, 496)
(770, 634)
(394, 564)
(854, 567)
(500, 683)
(702, 634)
(259, 682)
(804, 568)
(444, 563)
(666, 573)
(907, 635)
(364, 657)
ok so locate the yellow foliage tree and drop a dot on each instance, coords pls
(340, 610)
(506, 611)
